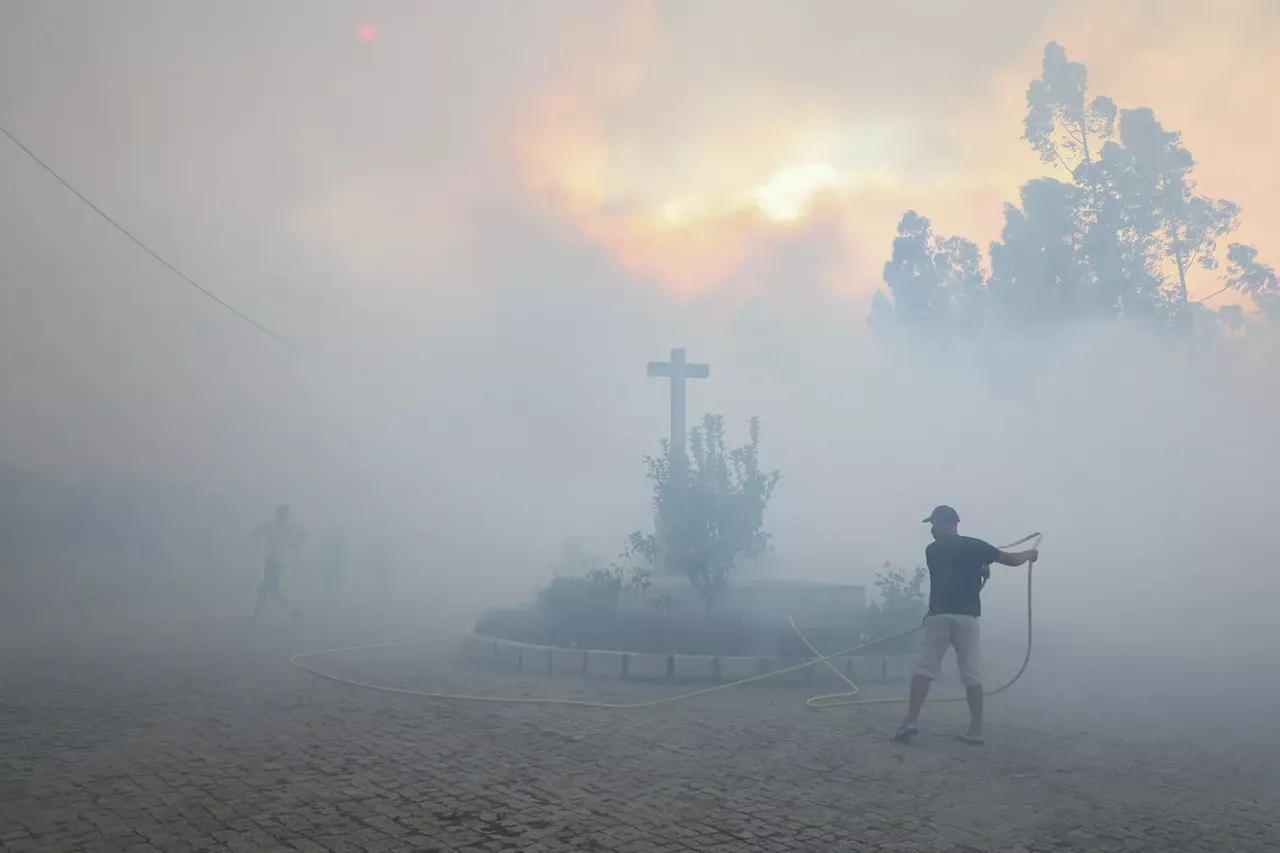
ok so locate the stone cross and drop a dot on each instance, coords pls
(678, 370)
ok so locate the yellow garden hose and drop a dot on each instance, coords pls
(840, 700)
(816, 702)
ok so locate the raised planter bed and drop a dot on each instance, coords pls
(640, 666)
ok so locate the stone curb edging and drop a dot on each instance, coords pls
(640, 666)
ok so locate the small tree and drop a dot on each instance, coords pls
(935, 282)
(710, 507)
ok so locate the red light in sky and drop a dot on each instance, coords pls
(367, 33)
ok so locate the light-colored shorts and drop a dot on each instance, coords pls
(943, 631)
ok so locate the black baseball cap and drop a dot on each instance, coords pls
(943, 515)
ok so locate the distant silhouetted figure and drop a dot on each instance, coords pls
(279, 538)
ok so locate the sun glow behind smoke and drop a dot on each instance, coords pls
(688, 191)
(691, 211)
(787, 195)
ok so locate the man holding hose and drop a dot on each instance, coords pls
(958, 568)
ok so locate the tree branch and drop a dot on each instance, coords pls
(1058, 154)
(1217, 292)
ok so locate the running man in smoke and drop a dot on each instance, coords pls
(279, 538)
(958, 568)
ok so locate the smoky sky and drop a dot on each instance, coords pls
(453, 221)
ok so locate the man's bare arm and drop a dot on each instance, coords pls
(1017, 558)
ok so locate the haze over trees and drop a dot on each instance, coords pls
(1113, 233)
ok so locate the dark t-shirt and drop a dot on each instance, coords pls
(956, 566)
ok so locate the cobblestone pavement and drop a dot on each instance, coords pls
(216, 743)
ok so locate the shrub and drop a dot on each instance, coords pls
(575, 595)
(575, 612)
(584, 612)
(902, 606)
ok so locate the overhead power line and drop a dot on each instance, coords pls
(143, 246)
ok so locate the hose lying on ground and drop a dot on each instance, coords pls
(831, 700)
